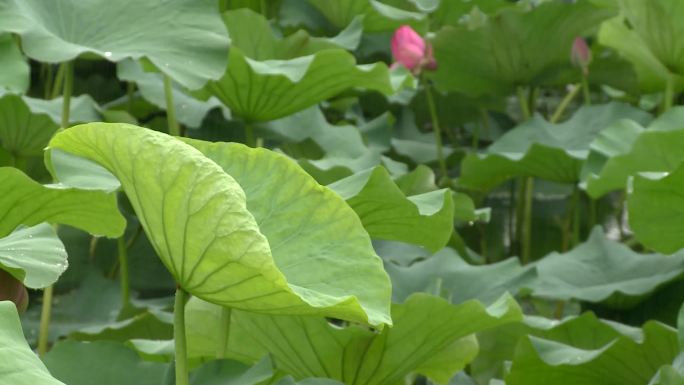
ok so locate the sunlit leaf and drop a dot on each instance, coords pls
(260, 224)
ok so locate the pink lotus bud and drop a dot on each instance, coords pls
(411, 51)
(581, 55)
(13, 290)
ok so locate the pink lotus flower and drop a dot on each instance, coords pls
(581, 55)
(411, 51)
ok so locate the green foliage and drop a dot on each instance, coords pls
(493, 214)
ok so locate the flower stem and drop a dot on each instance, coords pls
(46, 312)
(669, 93)
(437, 130)
(130, 89)
(179, 337)
(224, 331)
(123, 270)
(524, 106)
(575, 217)
(565, 103)
(174, 129)
(585, 91)
(68, 90)
(526, 228)
(59, 79)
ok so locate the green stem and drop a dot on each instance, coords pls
(575, 216)
(59, 79)
(174, 129)
(130, 89)
(593, 217)
(485, 123)
(224, 333)
(68, 90)
(179, 337)
(123, 271)
(49, 75)
(565, 103)
(669, 93)
(44, 333)
(250, 140)
(527, 220)
(585, 91)
(437, 130)
(512, 215)
(524, 107)
(264, 9)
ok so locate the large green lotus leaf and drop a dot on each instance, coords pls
(624, 361)
(457, 11)
(386, 213)
(26, 202)
(627, 149)
(189, 110)
(656, 210)
(448, 275)
(647, 34)
(377, 16)
(343, 147)
(308, 381)
(111, 363)
(429, 336)
(14, 76)
(255, 242)
(184, 38)
(585, 331)
(20, 365)
(545, 150)
(276, 82)
(507, 50)
(33, 255)
(322, 231)
(601, 270)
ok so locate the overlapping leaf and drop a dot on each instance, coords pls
(26, 202)
(544, 150)
(386, 213)
(378, 16)
(627, 149)
(508, 50)
(343, 147)
(447, 275)
(647, 34)
(656, 210)
(601, 270)
(430, 337)
(260, 225)
(183, 38)
(20, 366)
(269, 79)
(624, 361)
